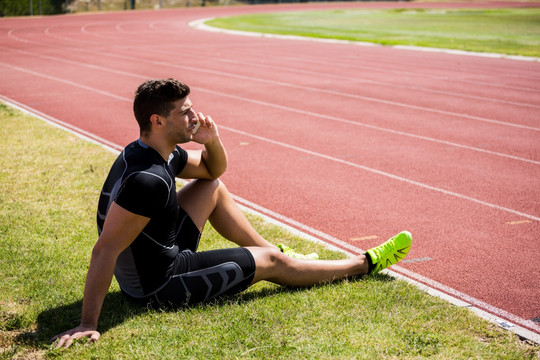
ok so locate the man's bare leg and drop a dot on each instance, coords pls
(272, 265)
(210, 200)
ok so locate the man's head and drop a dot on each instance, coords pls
(156, 97)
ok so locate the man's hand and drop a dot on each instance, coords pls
(207, 131)
(211, 162)
(65, 339)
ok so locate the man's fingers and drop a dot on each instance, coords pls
(210, 122)
(205, 120)
(68, 342)
(67, 339)
(94, 337)
(201, 116)
(64, 341)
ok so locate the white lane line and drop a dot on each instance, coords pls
(448, 93)
(289, 69)
(376, 100)
(327, 117)
(384, 173)
(357, 123)
(337, 93)
(427, 285)
(199, 24)
(62, 125)
(194, 24)
(430, 286)
(306, 151)
(413, 182)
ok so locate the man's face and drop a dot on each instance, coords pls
(181, 121)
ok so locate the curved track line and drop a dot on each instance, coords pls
(194, 24)
(352, 96)
(434, 77)
(371, 68)
(374, 82)
(84, 30)
(286, 108)
(338, 93)
(199, 24)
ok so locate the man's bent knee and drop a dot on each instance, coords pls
(199, 198)
(270, 262)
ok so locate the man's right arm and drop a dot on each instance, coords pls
(120, 229)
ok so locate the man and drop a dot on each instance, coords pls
(149, 233)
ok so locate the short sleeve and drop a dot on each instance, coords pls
(178, 160)
(144, 194)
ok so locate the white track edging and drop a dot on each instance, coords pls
(200, 25)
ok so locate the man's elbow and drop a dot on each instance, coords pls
(217, 174)
(102, 251)
(214, 171)
(97, 250)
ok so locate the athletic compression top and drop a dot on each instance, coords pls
(142, 182)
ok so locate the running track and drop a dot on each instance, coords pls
(345, 142)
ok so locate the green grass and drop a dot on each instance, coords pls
(504, 31)
(49, 185)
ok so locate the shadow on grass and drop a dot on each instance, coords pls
(117, 309)
(251, 295)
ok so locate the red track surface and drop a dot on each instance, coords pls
(355, 142)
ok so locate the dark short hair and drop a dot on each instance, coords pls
(157, 96)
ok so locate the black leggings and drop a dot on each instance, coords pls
(203, 276)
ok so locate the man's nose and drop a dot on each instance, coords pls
(193, 115)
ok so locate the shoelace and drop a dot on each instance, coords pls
(384, 249)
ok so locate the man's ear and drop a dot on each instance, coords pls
(155, 119)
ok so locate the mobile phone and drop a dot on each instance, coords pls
(196, 127)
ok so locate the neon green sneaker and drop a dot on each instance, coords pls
(291, 253)
(390, 252)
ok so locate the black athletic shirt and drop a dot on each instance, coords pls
(142, 182)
